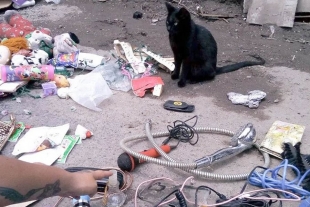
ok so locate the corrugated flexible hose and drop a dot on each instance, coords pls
(188, 167)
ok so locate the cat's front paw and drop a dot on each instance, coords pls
(174, 76)
(181, 83)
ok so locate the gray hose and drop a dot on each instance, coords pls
(189, 167)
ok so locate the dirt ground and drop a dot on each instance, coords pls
(285, 78)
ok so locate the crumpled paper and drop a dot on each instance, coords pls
(251, 100)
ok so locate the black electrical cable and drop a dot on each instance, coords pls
(221, 196)
(178, 195)
(183, 132)
(241, 202)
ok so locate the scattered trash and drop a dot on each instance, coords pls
(49, 89)
(63, 93)
(18, 4)
(155, 20)
(66, 146)
(40, 138)
(4, 112)
(251, 100)
(27, 72)
(49, 156)
(82, 132)
(136, 64)
(114, 77)
(140, 85)
(27, 112)
(276, 101)
(89, 90)
(73, 108)
(77, 60)
(164, 61)
(19, 128)
(6, 130)
(54, 1)
(279, 133)
(18, 100)
(137, 15)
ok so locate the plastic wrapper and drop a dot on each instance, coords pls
(115, 79)
(89, 90)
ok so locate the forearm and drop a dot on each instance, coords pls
(21, 181)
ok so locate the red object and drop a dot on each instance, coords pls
(140, 85)
(88, 134)
(127, 162)
(153, 153)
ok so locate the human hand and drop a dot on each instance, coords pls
(84, 182)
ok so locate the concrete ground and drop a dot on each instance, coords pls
(124, 115)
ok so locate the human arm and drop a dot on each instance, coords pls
(21, 181)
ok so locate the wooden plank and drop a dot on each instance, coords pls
(279, 12)
(246, 5)
(303, 6)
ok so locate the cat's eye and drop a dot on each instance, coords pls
(175, 24)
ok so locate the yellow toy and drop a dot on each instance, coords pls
(61, 81)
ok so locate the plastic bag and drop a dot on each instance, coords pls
(89, 90)
(111, 72)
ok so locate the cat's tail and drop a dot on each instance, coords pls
(237, 66)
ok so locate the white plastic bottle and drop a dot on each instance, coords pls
(116, 198)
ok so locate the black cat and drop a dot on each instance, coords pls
(195, 49)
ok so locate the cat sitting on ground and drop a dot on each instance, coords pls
(195, 49)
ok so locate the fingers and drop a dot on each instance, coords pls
(99, 174)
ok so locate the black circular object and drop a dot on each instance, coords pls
(137, 15)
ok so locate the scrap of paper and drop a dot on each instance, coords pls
(40, 138)
(47, 157)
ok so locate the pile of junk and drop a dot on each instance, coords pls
(32, 58)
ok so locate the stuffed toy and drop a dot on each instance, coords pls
(14, 25)
(5, 55)
(65, 43)
(18, 60)
(36, 37)
(40, 55)
(15, 44)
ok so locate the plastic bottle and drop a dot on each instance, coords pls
(116, 198)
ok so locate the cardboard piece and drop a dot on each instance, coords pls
(279, 12)
(279, 133)
(303, 6)
(11, 87)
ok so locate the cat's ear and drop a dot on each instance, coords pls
(170, 8)
(183, 14)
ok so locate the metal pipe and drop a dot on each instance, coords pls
(189, 167)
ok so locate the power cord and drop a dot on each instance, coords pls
(240, 202)
(178, 194)
(183, 132)
(276, 181)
